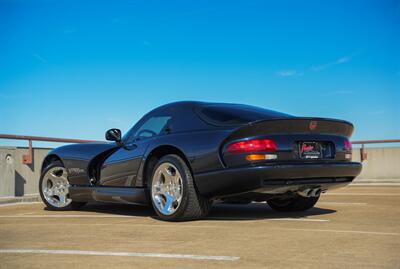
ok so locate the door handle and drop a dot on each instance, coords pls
(130, 146)
(167, 130)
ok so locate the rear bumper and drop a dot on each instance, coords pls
(276, 178)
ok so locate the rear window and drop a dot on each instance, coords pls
(231, 115)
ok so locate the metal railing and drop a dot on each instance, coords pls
(363, 153)
(363, 142)
(27, 158)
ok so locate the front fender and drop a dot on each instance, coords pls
(77, 159)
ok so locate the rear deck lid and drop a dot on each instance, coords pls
(294, 125)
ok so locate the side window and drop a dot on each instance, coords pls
(153, 126)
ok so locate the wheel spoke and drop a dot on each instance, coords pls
(53, 177)
(167, 175)
(158, 189)
(64, 175)
(157, 199)
(177, 194)
(49, 191)
(168, 203)
(63, 198)
(176, 178)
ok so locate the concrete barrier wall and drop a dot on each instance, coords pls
(18, 179)
(381, 163)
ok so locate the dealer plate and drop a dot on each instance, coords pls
(310, 150)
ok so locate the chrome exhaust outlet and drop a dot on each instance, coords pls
(315, 192)
(310, 192)
(304, 193)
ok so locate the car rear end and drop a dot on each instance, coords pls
(275, 153)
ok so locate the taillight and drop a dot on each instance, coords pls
(347, 145)
(254, 145)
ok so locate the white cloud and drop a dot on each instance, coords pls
(377, 112)
(297, 73)
(115, 20)
(341, 60)
(40, 58)
(146, 43)
(340, 92)
(289, 73)
(68, 31)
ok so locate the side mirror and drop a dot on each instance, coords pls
(114, 135)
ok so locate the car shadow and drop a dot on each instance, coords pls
(231, 212)
(119, 209)
(260, 211)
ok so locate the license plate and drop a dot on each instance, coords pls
(310, 150)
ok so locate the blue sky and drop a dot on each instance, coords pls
(76, 68)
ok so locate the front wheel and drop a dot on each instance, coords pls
(292, 204)
(53, 188)
(173, 192)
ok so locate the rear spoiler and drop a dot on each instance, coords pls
(294, 126)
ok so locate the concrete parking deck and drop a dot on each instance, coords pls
(354, 227)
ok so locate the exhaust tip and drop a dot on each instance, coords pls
(310, 192)
(317, 192)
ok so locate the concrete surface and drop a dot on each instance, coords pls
(20, 180)
(20, 199)
(353, 227)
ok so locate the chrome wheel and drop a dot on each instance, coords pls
(55, 187)
(166, 191)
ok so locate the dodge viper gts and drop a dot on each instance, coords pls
(183, 156)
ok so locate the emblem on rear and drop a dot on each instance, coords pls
(313, 125)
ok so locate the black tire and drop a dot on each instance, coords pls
(192, 206)
(72, 206)
(293, 204)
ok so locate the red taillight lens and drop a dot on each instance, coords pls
(347, 145)
(255, 145)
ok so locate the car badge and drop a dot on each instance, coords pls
(313, 125)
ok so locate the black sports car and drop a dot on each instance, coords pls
(182, 156)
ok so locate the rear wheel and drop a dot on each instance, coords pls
(53, 188)
(295, 203)
(173, 193)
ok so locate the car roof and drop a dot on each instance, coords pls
(185, 103)
(196, 103)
